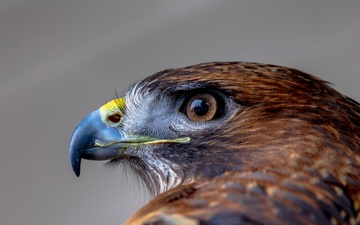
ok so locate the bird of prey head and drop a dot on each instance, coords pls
(232, 143)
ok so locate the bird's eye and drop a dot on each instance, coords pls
(202, 107)
(114, 118)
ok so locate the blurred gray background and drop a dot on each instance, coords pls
(59, 60)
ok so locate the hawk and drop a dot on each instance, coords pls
(232, 143)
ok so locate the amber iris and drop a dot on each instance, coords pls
(201, 107)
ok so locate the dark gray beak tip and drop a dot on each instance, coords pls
(75, 158)
(82, 139)
(75, 164)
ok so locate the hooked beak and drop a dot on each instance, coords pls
(86, 138)
(95, 139)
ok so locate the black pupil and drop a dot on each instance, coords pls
(200, 107)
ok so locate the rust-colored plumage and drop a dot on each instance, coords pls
(285, 151)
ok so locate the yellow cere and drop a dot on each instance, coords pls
(116, 106)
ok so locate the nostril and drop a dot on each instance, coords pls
(114, 118)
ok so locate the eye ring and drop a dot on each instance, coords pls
(202, 107)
